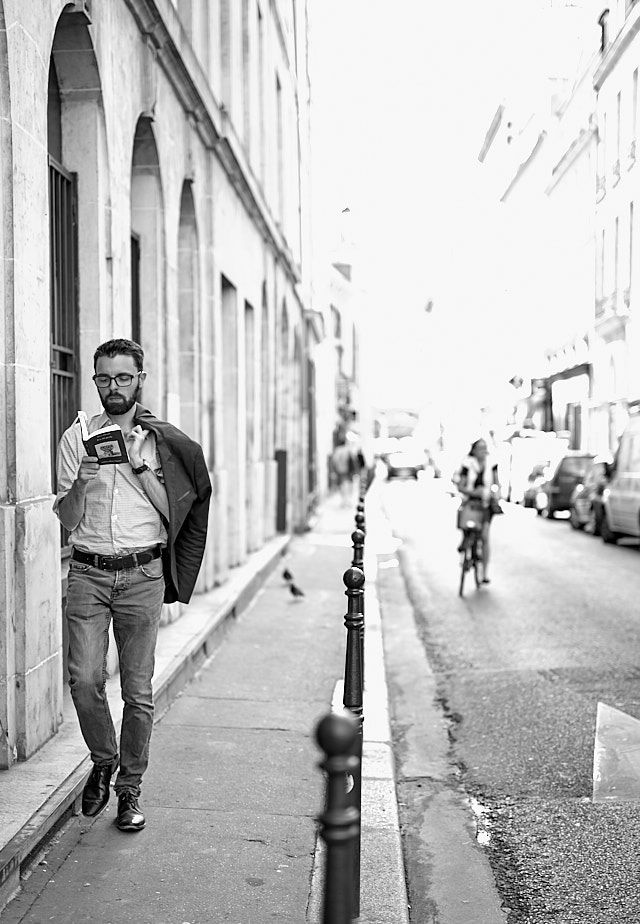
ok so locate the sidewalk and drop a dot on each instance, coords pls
(233, 787)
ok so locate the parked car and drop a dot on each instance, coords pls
(554, 494)
(620, 515)
(537, 477)
(585, 506)
(406, 461)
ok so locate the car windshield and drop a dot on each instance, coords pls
(575, 465)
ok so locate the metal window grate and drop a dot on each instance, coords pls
(63, 251)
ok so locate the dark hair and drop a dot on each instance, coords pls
(475, 444)
(121, 347)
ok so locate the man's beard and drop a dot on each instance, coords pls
(117, 404)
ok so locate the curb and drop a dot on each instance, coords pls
(383, 891)
(183, 646)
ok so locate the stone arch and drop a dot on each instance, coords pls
(189, 316)
(148, 321)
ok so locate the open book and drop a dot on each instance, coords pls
(107, 443)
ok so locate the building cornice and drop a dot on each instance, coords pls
(491, 133)
(160, 24)
(523, 165)
(573, 152)
(617, 48)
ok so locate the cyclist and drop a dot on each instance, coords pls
(477, 479)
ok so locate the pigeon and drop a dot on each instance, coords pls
(286, 574)
(295, 591)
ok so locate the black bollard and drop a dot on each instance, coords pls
(357, 537)
(340, 821)
(353, 693)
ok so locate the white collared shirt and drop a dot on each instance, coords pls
(118, 516)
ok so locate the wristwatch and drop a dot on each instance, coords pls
(141, 468)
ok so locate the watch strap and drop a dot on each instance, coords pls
(141, 468)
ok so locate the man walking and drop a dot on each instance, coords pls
(138, 533)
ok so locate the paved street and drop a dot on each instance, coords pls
(519, 669)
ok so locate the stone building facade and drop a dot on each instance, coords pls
(576, 175)
(153, 164)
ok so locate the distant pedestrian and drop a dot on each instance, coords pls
(344, 468)
(138, 532)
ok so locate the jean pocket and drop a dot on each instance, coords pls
(153, 569)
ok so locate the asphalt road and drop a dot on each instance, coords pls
(519, 668)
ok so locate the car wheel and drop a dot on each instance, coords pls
(574, 520)
(606, 532)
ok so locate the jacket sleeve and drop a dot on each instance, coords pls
(191, 540)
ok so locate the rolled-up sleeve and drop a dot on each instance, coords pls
(67, 465)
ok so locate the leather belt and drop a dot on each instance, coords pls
(116, 562)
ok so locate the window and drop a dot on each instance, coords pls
(225, 52)
(63, 258)
(135, 287)
(634, 114)
(601, 264)
(634, 454)
(616, 165)
(280, 148)
(602, 147)
(261, 100)
(63, 263)
(630, 267)
(616, 254)
(246, 76)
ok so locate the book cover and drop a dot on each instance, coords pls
(108, 443)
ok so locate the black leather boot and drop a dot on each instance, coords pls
(95, 794)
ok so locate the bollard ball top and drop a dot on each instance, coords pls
(353, 578)
(336, 733)
(357, 537)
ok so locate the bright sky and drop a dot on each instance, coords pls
(403, 95)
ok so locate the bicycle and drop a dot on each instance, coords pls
(471, 520)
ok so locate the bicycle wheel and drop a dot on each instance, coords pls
(477, 561)
(465, 564)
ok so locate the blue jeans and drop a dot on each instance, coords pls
(133, 598)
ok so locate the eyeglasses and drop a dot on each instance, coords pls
(123, 379)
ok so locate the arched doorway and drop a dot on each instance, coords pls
(282, 453)
(189, 317)
(148, 321)
(78, 196)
